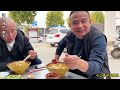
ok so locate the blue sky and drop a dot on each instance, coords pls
(41, 17)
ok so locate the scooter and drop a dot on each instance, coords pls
(115, 53)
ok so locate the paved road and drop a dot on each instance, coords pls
(46, 54)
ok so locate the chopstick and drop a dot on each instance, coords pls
(36, 70)
(79, 56)
(63, 58)
(27, 57)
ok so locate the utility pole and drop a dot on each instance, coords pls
(44, 35)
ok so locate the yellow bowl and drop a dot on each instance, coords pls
(18, 67)
(58, 67)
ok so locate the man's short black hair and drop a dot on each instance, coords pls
(78, 11)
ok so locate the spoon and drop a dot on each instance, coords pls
(26, 57)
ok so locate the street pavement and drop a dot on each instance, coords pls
(46, 54)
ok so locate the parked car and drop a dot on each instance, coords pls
(56, 34)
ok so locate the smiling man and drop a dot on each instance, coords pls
(88, 42)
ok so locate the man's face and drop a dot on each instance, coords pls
(80, 23)
(10, 32)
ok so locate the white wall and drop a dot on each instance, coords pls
(118, 14)
(110, 25)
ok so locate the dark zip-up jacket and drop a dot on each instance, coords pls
(19, 51)
(95, 52)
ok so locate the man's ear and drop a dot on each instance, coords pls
(69, 25)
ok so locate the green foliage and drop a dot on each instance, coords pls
(25, 28)
(68, 21)
(97, 17)
(54, 18)
(22, 16)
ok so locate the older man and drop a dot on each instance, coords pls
(14, 45)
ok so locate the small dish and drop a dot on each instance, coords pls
(52, 75)
(3, 74)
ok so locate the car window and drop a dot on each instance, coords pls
(53, 31)
(64, 31)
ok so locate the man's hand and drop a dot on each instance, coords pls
(71, 61)
(74, 62)
(33, 54)
(55, 59)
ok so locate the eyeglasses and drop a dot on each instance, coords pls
(3, 24)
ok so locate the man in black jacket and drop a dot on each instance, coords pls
(14, 45)
(86, 48)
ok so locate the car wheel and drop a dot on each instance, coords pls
(115, 53)
(40, 41)
(52, 45)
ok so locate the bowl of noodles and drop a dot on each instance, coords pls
(58, 67)
(18, 67)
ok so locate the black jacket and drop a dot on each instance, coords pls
(95, 50)
(19, 51)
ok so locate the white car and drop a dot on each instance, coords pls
(56, 34)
